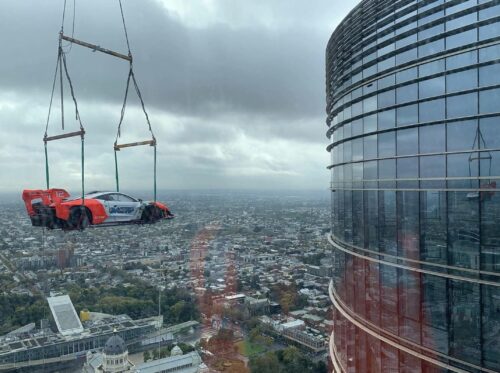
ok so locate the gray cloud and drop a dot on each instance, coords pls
(236, 99)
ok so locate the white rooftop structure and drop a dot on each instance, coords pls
(65, 315)
(292, 324)
(188, 363)
(235, 296)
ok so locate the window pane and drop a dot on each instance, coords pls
(461, 21)
(386, 64)
(370, 123)
(490, 129)
(433, 166)
(406, 75)
(431, 17)
(370, 104)
(386, 99)
(386, 119)
(407, 115)
(465, 338)
(407, 141)
(461, 135)
(347, 151)
(489, 75)
(489, 31)
(458, 166)
(489, 101)
(370, 146)
(357, 109)
(460, 60)
(432, 138)
(430, 32)
(432, 110)
(387, 81)
(407, 168)
(435, 297)
(406, 56)
(357, 149)
(387, 169)
(460, 6)
(369, 88)
(491, 325)
(459, 40)
(347, 130)
(431, 68)
(462, 105)
(489, 53)
(431, 48)
(386, 144)
(357, 127)
(406, 41)
(431, 87)
(461, 81)
(407, 93)
(490, 12)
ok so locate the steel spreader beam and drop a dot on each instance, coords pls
(80, 133)
(148, 142)
(96, 48)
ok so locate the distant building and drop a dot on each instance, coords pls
(114, 359)
(257, 307)
(29, 349)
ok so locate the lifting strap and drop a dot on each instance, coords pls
(152, 142)
(60, 65)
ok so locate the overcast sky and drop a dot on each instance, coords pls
(235, 92)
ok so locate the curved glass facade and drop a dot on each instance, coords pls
(413, 104)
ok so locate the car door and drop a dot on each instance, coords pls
(124, 208)
(108, 200)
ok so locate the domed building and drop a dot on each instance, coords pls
(176, 351)
(113, 359)
(115, 355)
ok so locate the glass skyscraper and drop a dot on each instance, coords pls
(413, 104)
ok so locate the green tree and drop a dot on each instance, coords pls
(254, 334)
(177, 309)
(147, 356)
(320, 367)
(186, 348)
(164, 352)
(266, 363)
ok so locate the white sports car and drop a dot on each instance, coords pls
(52, 208)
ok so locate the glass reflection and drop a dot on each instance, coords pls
(431, 196)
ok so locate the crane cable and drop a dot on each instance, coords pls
(131, 75)
(60, 65)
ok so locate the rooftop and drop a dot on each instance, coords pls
(65, 316)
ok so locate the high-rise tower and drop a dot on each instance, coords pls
(413, 104)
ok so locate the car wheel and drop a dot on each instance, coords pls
(147, 215)
(151, 214)
(79, 218)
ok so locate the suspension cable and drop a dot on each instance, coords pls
(125, 27)
(122, 115)
(63, 16)
(53, 89)
(131, 75)
(77, 113)
(60, 65)
(142, 104)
